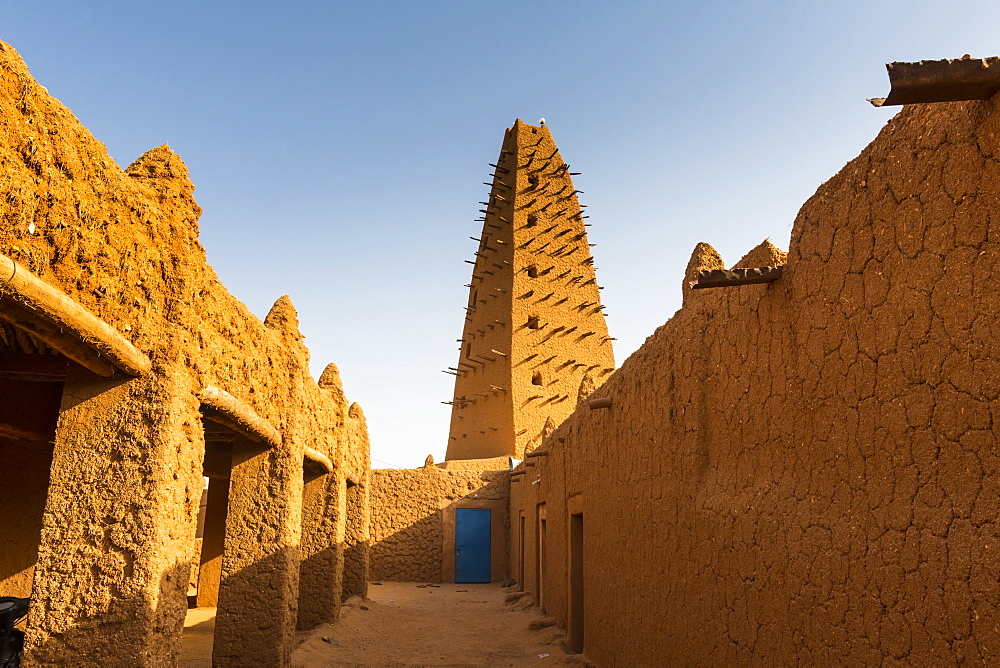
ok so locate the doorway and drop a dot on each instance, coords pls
(576, 607)
(32, 376)
(472, 544)
(540, 555)
(520, 552)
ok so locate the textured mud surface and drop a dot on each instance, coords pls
(409, 520)
(450, 625)
(117, 532)
(807, 472)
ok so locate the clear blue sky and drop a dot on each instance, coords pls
(343, 145)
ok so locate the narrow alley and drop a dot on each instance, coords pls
(409, 623)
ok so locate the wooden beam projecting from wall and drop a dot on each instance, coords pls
(52, 316)
(721, 278)
(950, 80)
(223, 408)
(537, 453)
(317, 459)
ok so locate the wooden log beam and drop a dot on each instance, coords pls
(223, 408)
(537, 453)
(720, 278)
(317, 459)
(949, 80)
(52, 316)
(351, 478)
(55, 337)
(601, 402)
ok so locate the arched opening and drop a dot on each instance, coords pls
(533, 322)
(533, 271)
(532, 220)
(536, 378)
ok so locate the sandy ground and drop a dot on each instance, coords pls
(404, 624)
(409, 624)
(196, 643)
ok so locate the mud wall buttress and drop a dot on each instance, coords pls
(114, 554)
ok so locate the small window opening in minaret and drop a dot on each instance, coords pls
(532, 220)
(533, 322)
(533, 271)
(468, 350)
(536, 378)
(532, 181)
(475, 298)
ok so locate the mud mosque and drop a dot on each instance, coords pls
(800, 466)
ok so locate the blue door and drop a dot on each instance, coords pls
(472, 545)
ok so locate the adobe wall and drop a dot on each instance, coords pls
(806, 471)
(118, 536)
(412, 520)
(357, 529)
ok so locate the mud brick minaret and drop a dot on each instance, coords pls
(535, 339)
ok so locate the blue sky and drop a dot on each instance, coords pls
(343, 145)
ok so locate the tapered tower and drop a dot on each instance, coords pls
(534, 326)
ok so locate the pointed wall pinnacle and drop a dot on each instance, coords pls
(283, 317)
(162, 170)
(587, 387)
(548, 428)
(283, 320)
(702, 257)
(764, 254)
(330, 381)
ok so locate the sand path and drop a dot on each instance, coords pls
(404, 624)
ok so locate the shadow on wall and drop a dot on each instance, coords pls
(356, 570)
(255, 623)
(413, 511)
(411, 554)
(131, 614)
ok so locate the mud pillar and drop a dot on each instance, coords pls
(213, 543)
(322, 566)
(110, 585)
(356, 541)
(258, 595)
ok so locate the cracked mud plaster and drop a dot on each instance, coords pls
(807, 471)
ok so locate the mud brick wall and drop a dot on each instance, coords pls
(408, 517)
(806, 471)
(117, 534)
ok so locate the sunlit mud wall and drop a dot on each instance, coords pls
(413, 520)
(806, 471)
(121, 477)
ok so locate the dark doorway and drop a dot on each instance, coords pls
(32, 376)
(576, 608)
(540, 556)
(520, 550)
